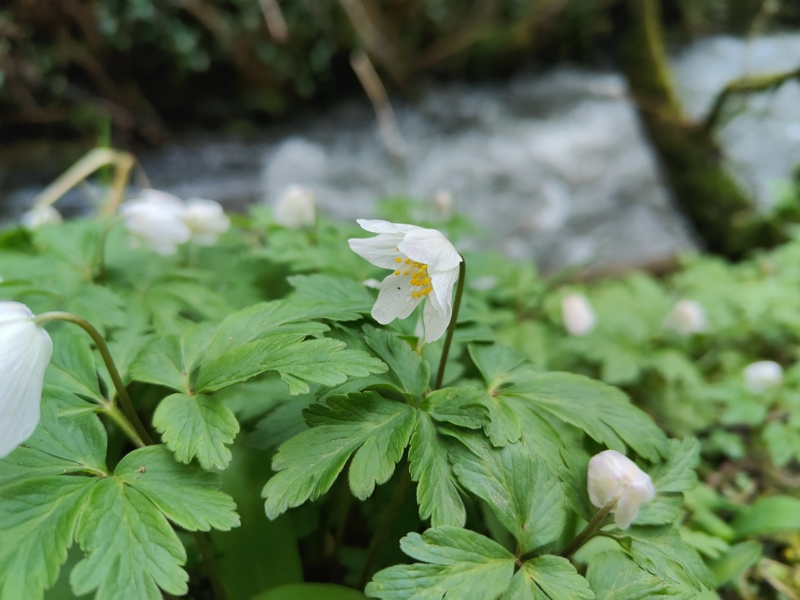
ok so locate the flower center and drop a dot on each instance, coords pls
(420, 280)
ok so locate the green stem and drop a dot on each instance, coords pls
(206, 549)
(462, 271)
(385, 527)
(102, 347)
(116, 415)
(593, 526)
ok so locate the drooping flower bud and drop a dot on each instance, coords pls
(578, 314)
(155, 219)
(206, 219)
(612, 473)
(297, 208)
(25, 350)
(762, 375)
(687, 317)
(41, 215)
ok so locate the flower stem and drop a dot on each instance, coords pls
(591, 528)
(116, 415)
(451, 328)
(102, 347)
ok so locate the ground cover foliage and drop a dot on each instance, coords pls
(309, 440)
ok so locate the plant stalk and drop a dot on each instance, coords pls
(593, 526)
(102, 347)
(451, 328)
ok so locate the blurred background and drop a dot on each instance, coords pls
(606, 133)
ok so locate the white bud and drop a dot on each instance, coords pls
(762, 375)
(687, 317)
(443, 201)
(578, 315)
(371, 283)
(155, 219)
(25, 350)
(297, 208)
(206, 219)
(41, 215)
(610, 473)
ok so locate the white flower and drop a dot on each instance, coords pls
(425, 265)
(762, 375)
(687, 317)
(578, 315)
(206, 219)
(443, 201)
(296, 208)
(155, 219)
(41, 215)
(371, 283)
(25, 350)
(610, 473)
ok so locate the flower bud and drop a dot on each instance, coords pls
(206, 219)
(25, 350)
(443, 201)
(687, 317)
(155, 219)
(762, 375)
(296, 208)
(578, 315)
(612, 473)
(41, 215)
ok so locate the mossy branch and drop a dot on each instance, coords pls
(745, 85)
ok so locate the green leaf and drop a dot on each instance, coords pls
(678, 474)
(437, 494)
(72, 367)
(98, 305)
(131, 549)
(198, 425)
(407, 369)
(376, 429)
(339, 291)
(523, 493)
(462, 564)
(324, 361)
(614, 576)
(548, 577)
(185, 494)
(37, 520)
(311, 591)
(461, 407)
(767, 516)
(603, 412)
(735, 561)
(661, 551)
(494, 362)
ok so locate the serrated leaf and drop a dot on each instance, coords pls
(185, 494)
(462, 564)
(437, 494)
(603, 412)
(548, 578)
(98, 305)
(678, 474)
(131, 551)
(522, 492)
(376, 429)
(37, 520)
(614, 576)
(72, 367)
(458, 406)
(329, 289)
(407, 369)
(494, 362)
(324, 361)
(661, 551)
(197, 426)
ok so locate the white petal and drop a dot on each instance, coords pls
(394, 300)
(297, 208)
(443, 282)
(379, 226)
(436, 319)
(25, 351)
(380, 250)
(430, 247)
(626, 512)
(206, 219)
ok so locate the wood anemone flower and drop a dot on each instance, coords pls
(25, 351)
(425, 265)
(612, 474)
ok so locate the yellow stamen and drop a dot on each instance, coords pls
(397, 272)
(398, 259)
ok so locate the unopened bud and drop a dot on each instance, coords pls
(578, 315)
(612, 474)
(762, 375)
(41, 215)
(297, 208)
(687, 317)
